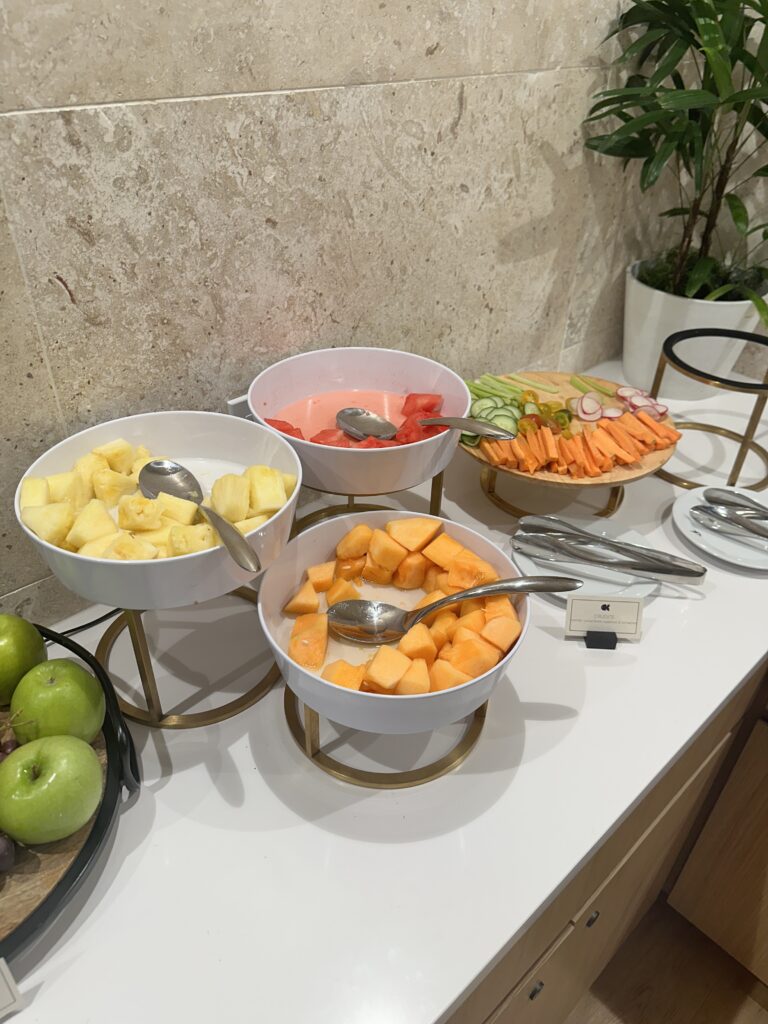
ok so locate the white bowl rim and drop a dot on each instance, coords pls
(358, 348)
(122, 419)
(403, 696)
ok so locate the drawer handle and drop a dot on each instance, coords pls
(536, 990)
(593, 918)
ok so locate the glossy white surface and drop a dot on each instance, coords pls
(374, 712)
(751, 554)
(244, 885)
(207, 443)
(351, 470)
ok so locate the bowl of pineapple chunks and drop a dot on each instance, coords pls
(81, 506)
(441, 670)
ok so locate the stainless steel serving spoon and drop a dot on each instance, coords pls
(374, 622)
(362, 423)
(171, 478)
(740, 503)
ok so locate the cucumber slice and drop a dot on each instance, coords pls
(535, 385)
(531, 409)
(481, 405)
(470, 439)
(506, 422)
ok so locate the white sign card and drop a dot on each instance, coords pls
(620, 615)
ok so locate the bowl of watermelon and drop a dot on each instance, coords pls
(300, 396)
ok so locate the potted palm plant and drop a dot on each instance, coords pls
(693, 109)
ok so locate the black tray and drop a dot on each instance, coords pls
(122, 771)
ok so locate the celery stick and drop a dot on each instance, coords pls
(506, 383)
(597, 386)
(581, 385)
(535, 385)
(499, 388)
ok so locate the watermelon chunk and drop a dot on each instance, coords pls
(332, 437)
(285, 428)
(422, 403)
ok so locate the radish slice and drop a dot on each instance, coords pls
(612, 414)
(641, 402)
(628, 392)
(662, 410)
(589, 407)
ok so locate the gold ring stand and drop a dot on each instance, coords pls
(489, 476)
(746, 440)
(307, 735)
(153, 715)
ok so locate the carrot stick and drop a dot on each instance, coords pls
(548, 440)
(509, 456)
(636, 429)
(603, 462)
(622, 438)
(608, 446)
(660, 429)
(486, 447)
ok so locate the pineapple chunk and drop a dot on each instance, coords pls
(68, 487)
(289, 480)
(178, 509)
(267, 490)
(34, 492)
(158, 537)
(96, 548)
(86, 466)
(50, 522)
(162, 551)
(135, 512)
(119, 454)
(142, 458)
(186, 540)
(230, 497)
(110, 486)
(92, 522)
(126, 548)
(247, 525)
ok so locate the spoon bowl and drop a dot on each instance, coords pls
(362, 423)
(740, 503)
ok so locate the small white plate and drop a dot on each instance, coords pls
(746, 556)
(598, 582)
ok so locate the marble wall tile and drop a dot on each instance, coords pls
(62, 53)
(45, 602)
(30, 418)
(173, 249)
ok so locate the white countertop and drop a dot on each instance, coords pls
(246, 885)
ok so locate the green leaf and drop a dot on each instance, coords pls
(759, 227)
(652, 168)
(718, 292)
(750, 95)
(758, 302)
(643, 121)
(713, 44)
(686, 99)
(640, 44)
(629, 149)
(739, 213)
(761, 172)
(676, 211)
(676, 53)
(699, 275)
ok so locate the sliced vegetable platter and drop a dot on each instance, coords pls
(569, 406)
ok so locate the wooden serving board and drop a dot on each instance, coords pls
(619, 475)
(39, 868)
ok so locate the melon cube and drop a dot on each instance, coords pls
(474, 656)
(91, 523)
(96, 548)
(349, 568)
(178, 509)
(462, 633)
(51, 522)
(267, 490)
(436, 595)
(387, 668)
(499, 605)
(303, 602)
(468, 570)
(343, 674)
(34, 492)
(321, 576)
(430, 577)
(119, 454)
(473, 620)
(501, 632)
(410, 574)
(414, 534)
(445, 651)
(443, 628)
(385, 551)
(443, 550)
(375, 573)
(418, 643)
(342, 590)
(249, 525)
(309, 640)
(416, 679)
(443, 675)
(355, 543)
(445, 586)
(472, 604)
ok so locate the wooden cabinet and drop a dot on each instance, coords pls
(723, 888)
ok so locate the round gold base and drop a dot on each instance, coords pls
(307, 735)
(489, 477)
(708, 428)
(153, 715)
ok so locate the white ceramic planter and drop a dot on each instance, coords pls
(650, 316)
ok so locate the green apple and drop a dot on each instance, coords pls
(21, 647)
(57, 698)
(49, 788)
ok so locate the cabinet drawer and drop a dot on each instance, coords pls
(555, 984)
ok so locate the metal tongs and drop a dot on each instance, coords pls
(735, 515)
(549, 539)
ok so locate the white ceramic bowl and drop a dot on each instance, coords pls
(367, 471)
(209, 444)
(373, 712)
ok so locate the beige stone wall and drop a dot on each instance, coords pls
(193, 190)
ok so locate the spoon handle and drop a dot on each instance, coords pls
(521, 585)
(471, 426)
(233, 540)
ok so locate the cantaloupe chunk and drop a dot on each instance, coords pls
(462, 633)
(468, 570)
(436, 595)
(443, 550)
(445, 586)
(445, 650)
(416, 679)
(430, 577)
(342, 590)
(474, 656)
(473, 620)
(411, 572)
(343, 674)
(349, 568)
(375, 573)
(443, 675)
(303, 602)
(499, 605)
(418, 643)
(501, 632)
(471, 604)
(355, 543)
(414, 534)
(385, 551)
(443, 628)
(309, 640)
(321, 576)
(387, 668)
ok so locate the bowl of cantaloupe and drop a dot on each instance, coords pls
(441, 670)
(80, 505)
